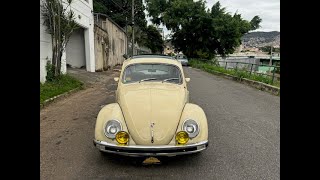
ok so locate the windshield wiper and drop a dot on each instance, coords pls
(148, 79)
(169, 79)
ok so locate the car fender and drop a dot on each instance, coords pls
(108, 112)
(195, 112)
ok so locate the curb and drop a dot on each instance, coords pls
(262, 86)
(256, 84)
(60, 96)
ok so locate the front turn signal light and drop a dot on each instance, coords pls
(182, 137)
(122, 137)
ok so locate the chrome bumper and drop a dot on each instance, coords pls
(137, 150)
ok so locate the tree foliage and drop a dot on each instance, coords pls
(198, 32)
(149, 38)
(119, 10)
(140, 36)
(60, 23)
(154, 40)
(255, 22)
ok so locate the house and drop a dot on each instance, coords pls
(168, 47)
(80, 48)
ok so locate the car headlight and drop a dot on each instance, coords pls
(122, 137)
(111, 128)
(182, 137)
(191, 127)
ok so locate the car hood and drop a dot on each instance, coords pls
(152, 106)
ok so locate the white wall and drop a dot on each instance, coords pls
(85, 20)
(75, 51)
(84, 17)
(45, 50)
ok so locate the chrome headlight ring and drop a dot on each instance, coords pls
(191, 127)
(111, 128)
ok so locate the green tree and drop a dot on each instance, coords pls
(198, 32)
(140, 36)
(60, 23)
(150, 38)
(119, 10)
(154, 40)
(255, 22)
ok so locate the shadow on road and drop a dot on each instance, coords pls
(119, 160)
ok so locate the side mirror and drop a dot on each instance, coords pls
(125, 56)
(187, 79)
(116, 79)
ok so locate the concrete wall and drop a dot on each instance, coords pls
(75, 51)
(110, 44)
(117, 43)
(231, 63)
(83, 14)
(45, 50)
(101, 45)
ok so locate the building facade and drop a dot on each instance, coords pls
(110, 42)
(80, 48)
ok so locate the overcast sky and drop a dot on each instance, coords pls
(268, 10)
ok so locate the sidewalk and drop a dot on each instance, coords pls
(93, 80)
(90, 78)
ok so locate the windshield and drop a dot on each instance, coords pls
(152, 72)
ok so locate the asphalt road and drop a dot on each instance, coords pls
(244, 135)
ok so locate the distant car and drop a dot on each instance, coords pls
(152, 115)
(183, 60)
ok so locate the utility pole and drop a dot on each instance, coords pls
(132, 27)
(270, 62)
(127, 44)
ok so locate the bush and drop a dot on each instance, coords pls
(238, 73)
(261, 78)
(241, 74)
(50, 72)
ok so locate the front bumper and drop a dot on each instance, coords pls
(163, 150)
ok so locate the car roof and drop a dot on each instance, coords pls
(152, 58)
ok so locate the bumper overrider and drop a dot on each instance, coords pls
(162, 150)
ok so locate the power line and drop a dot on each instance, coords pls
(118, 5)
(125, 12)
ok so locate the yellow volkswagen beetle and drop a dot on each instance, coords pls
(152, 115)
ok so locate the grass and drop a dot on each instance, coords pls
(211, 68)
(62, 84)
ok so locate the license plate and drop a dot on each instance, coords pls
(151, 160)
